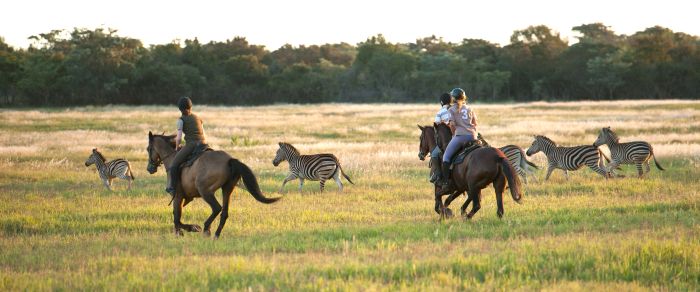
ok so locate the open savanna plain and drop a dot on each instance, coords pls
(60, 229)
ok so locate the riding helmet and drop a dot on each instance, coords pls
(445, 99)
(458, 94)
(184, 103)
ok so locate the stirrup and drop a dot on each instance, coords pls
(170, 190)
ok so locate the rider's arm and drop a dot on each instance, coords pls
(178, 138)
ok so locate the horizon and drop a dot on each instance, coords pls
(313, 23)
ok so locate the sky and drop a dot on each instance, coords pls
(274, 23)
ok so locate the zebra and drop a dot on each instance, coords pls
(319, 167)
(637, 152)
(568, 158)
(516, 157)
(109, 170)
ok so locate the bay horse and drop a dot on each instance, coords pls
(480, 168)
(213, 170)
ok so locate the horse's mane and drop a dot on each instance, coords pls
(546, 139)
(168, 138)
(99, 155)
(290, 147)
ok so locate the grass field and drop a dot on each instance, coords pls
(60, 229)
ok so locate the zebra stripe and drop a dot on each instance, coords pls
(319, 167)
(568, 158)
(517, 159)
(638, 152)
(109, 170)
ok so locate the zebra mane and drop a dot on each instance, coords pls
(544, 138)
(612, 134)
(99, 155)
(290, 147)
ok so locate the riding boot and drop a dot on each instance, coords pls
(447, 186)
(435, 169)
(174, 179)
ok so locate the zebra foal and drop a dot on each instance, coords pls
(319, 167)
(637, 152)
(109, 170)
(568, 158)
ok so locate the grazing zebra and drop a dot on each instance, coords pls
(516, 157)
(109, 170)
(637, 153)
(568, 158)
(319, 167)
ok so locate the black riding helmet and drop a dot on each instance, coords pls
(458, 94)
(185, 103)
(445, 99)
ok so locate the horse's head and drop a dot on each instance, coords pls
(159, 146)
(96, 155)
(427, 141)
(606, 136)
(443, 135)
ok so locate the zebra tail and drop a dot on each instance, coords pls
(131, 172)
(513, 180)
(343, 173)
(655, 162)
(251, 183)
(524, 158)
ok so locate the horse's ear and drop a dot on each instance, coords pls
(435, 124)
(421, 127)
(150, 135)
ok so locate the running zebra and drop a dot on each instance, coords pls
(516, 157)
(319, 167)
(568, 158)
(109, 170)
(637, 153)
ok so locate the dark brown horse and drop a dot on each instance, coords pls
(213, 170)
(427, 141)
(480, 168)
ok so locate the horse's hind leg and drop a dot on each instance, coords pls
(474, 195)
(226, 193)
(208, 196)
(465, 205)
(499, 185)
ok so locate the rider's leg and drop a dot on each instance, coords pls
(455, 145)
(174, 170)
(435, 165)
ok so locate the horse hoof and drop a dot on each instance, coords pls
(206, 233)
(448, 213)
(179, 233)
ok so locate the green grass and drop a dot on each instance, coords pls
(61, 230)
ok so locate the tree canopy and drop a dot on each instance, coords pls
(83, 66)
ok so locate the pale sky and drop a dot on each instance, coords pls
(273, 23)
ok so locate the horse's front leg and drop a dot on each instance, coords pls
(177, 214)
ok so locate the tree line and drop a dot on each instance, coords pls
(84, 67)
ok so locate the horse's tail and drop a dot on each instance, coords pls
(513, 180)
(251, 183)
(655, 162)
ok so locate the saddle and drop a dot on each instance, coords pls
(198, 151)
(462, 154)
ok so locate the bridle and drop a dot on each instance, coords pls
(154, 164)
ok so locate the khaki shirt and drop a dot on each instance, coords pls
(464, 120)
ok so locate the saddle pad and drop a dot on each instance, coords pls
(459, 158)
(198, 151)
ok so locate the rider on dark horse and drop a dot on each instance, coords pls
(190, 125)
(442, 116)
(462, 121)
